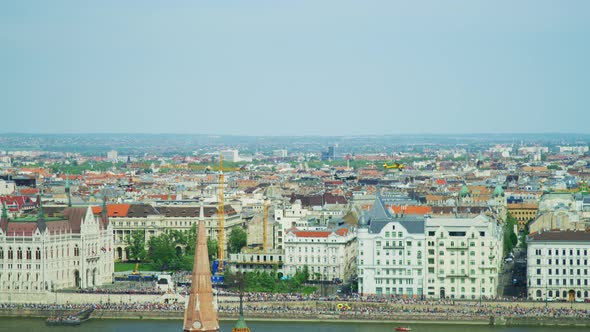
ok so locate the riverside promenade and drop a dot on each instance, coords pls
(262, 308)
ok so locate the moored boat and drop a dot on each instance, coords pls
(70, 320)
(63, 321)
(403, 328)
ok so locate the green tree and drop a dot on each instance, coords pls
(301, 276)
(237, 240)
(136, 244)
(510, 239)
(162, 252)
(212, 247)
(191, 239)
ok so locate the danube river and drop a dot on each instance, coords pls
(96, 325)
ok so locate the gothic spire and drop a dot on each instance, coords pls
(201, 311)
(4, 211)
(104, 205)
(68, 189)
(41, 225)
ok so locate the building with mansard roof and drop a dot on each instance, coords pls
(40, 253)
(390, 253)
(558, 265)
(418, 256)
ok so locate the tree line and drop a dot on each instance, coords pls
(175, 249)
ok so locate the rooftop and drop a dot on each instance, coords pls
(557, 235)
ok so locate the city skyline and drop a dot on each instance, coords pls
(295, 69)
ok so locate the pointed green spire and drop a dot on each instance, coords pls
(4, 211)
(41, 226)
(104, 205)
(241, 323)
(68, 189)
(40, 214)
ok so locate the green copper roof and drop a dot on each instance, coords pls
(4, 211)
(498, 191)
(464, 191)
(241, 323)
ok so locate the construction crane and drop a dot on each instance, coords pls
(220, 217)
(265, 225)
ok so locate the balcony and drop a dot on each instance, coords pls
(457, 246)
(456, 274)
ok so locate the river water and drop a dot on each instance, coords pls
(97, 325)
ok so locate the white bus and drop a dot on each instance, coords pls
(165, 282)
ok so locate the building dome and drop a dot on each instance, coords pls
(498, 191)
(464, 191)
(362, 221)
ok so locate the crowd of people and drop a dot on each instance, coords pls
(150, 289)
(296, 305)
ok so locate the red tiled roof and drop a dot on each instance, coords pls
(340, 232)
(113, 210)
(311, 233)
(412, 209)
(29, 191)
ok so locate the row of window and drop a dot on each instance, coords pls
(564, 252)
(311, 249)
(394, 281)
(313, 269)
(393, 244)
(28, 254)
(564, 294)
(564, 282)
(564, 261)
(397, 291)
(400, 272)
(457, 234)
(400, 253)
(564, 272)
(392, 234)
(313, 259)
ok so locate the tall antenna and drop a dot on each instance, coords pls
(220, 217)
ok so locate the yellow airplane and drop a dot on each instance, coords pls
(393, 166)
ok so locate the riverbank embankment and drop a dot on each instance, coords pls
(402, 317)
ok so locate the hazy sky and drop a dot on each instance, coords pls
(295, 67)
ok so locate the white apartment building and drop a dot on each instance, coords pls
(391, 257)
(557, 265)
(329, 254)
(41, 254)
(390, 253)
(410, 256)
(463, 257)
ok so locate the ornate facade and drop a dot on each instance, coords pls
(71, 250)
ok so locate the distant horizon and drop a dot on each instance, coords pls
(311, 135)
(296, 68)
